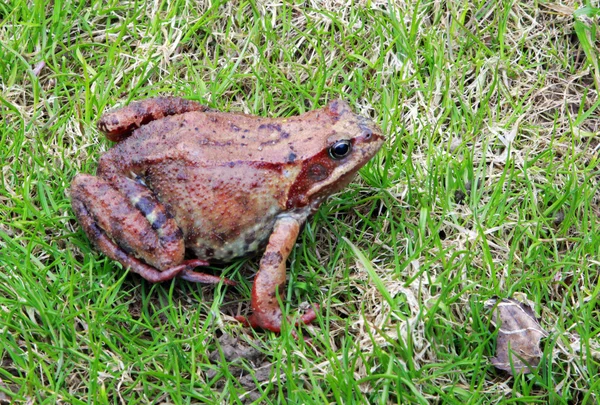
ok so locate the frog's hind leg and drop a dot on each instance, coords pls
(120, 222)
(120, 123)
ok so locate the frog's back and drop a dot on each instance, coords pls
(220, 138)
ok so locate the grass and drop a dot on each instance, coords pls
(488, 186)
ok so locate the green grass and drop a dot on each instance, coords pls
(488, 185)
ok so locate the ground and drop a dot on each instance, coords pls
(488, 186)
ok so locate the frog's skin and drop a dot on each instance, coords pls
(220, 185)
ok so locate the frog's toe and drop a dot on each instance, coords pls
(197, 277)
(243, 320)
(309, 316)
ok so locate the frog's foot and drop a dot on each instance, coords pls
(120, 123)
(272, 319)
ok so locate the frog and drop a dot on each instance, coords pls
(187, 186)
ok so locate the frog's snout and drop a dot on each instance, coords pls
(370, 132)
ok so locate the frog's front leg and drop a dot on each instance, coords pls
(270, 279)
(126, 222)
(120, 123)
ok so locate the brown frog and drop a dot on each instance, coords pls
(220, 185)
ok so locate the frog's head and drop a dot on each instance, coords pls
(348, 142)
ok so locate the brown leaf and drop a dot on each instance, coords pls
(519, 335)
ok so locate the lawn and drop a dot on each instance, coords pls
(487, 186)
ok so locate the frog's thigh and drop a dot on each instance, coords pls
(123, 223)
(120, 123)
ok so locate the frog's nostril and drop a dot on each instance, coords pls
(368, 134)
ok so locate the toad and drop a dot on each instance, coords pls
(219, 186)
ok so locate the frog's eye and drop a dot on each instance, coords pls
(340, 149)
